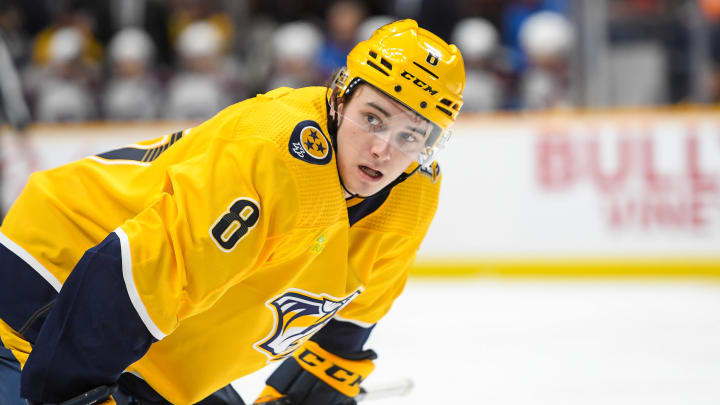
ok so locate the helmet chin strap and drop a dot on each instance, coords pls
(333, 125)
(402, 177)
(352, 195)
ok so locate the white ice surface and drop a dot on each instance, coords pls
(513, 342)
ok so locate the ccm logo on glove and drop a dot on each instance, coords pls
(334, 371)
(342, 374)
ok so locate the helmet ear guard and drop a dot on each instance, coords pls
(341, 87)
(339, 92)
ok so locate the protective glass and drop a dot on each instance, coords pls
(405, 130)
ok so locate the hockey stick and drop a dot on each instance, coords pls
(386, 390)
(94, 396)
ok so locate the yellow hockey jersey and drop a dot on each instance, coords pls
(236, 242)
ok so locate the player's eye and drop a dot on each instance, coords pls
(373, 122)
(408, 142)
(407, 137)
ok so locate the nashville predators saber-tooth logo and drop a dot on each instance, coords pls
(298, 315)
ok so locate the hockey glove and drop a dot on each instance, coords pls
(314, 376)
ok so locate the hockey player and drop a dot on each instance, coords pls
(282, 228)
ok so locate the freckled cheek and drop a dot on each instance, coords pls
(357, 139)
(355, 143)
(347, 153)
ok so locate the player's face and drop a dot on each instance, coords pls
(378, 138)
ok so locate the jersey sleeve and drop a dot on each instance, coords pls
(91, 334)
(386, 280)
(346, 334)
(383, 247)
(217, 220)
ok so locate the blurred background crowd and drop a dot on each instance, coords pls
(80, 60)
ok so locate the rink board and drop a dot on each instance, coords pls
(566, 194)
(588, 267)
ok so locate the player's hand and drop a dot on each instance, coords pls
(314, 376)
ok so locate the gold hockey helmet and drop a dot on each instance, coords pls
(414, 67)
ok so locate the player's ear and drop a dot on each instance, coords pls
(340, 115)
(340, 107)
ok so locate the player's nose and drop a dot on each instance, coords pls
(380, 148)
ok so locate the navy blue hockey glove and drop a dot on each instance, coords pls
(314, 376)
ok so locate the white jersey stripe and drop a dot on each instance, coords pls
(31, 261)
(130, 286)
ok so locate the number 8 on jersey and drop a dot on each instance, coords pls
(240, 218)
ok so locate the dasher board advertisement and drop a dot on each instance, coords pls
(536, 193)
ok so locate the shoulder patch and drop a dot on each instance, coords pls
(433, 171)
(309, 144)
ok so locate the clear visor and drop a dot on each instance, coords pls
(403, 129)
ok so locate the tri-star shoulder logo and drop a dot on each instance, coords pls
(309, 144)
(298, 315)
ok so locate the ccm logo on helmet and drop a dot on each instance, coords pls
(409, 76)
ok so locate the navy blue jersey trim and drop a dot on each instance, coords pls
(342, 338)
(92, 333)
(140, 154)
(285, 375)
(125, 154)
(367, 206)
(138, 390)
(23, 293)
